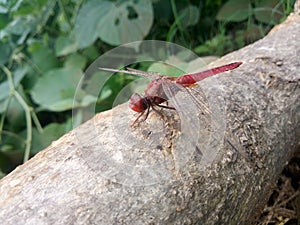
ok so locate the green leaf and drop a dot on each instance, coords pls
(91, 53)
(65, 45)
(235, 11)
(9, 6)
(203, 49)
(35, 8)
(4, 20)
(87, 100)
(43, 56)
(165, 69)
(189, 16)
(55, 90)
(215, 46)
(114, 24)
(6, 51)
(76, 61)
(269, 11)
(50, 133)
(20, 25)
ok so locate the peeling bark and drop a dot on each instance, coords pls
(89, 176)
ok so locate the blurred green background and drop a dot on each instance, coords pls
(46, 45)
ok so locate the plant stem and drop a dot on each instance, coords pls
(176, 23)
(27, 109)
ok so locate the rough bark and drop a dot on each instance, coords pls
(90, 175)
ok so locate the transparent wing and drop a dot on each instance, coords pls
(187, 143)
(201, 127)
(209, 99)
(132, 72)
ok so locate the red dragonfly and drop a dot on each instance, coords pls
(155, 93)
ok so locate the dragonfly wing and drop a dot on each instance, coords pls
(200, 126)
(187, 144)
(132, 72)
(144, 73)
(209, 98)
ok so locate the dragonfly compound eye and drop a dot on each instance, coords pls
(138, 103)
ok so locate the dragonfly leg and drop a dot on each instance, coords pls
(158, 112)
(136, 121)
(152, 106)
(165, 106)
(147, 113)
(163, 117)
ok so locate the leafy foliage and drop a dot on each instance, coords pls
(46, 46)
(115, 24)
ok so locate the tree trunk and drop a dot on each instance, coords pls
(106, 172)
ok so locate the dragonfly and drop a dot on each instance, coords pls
(155, 93)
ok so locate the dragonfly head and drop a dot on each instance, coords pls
(138, 103)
